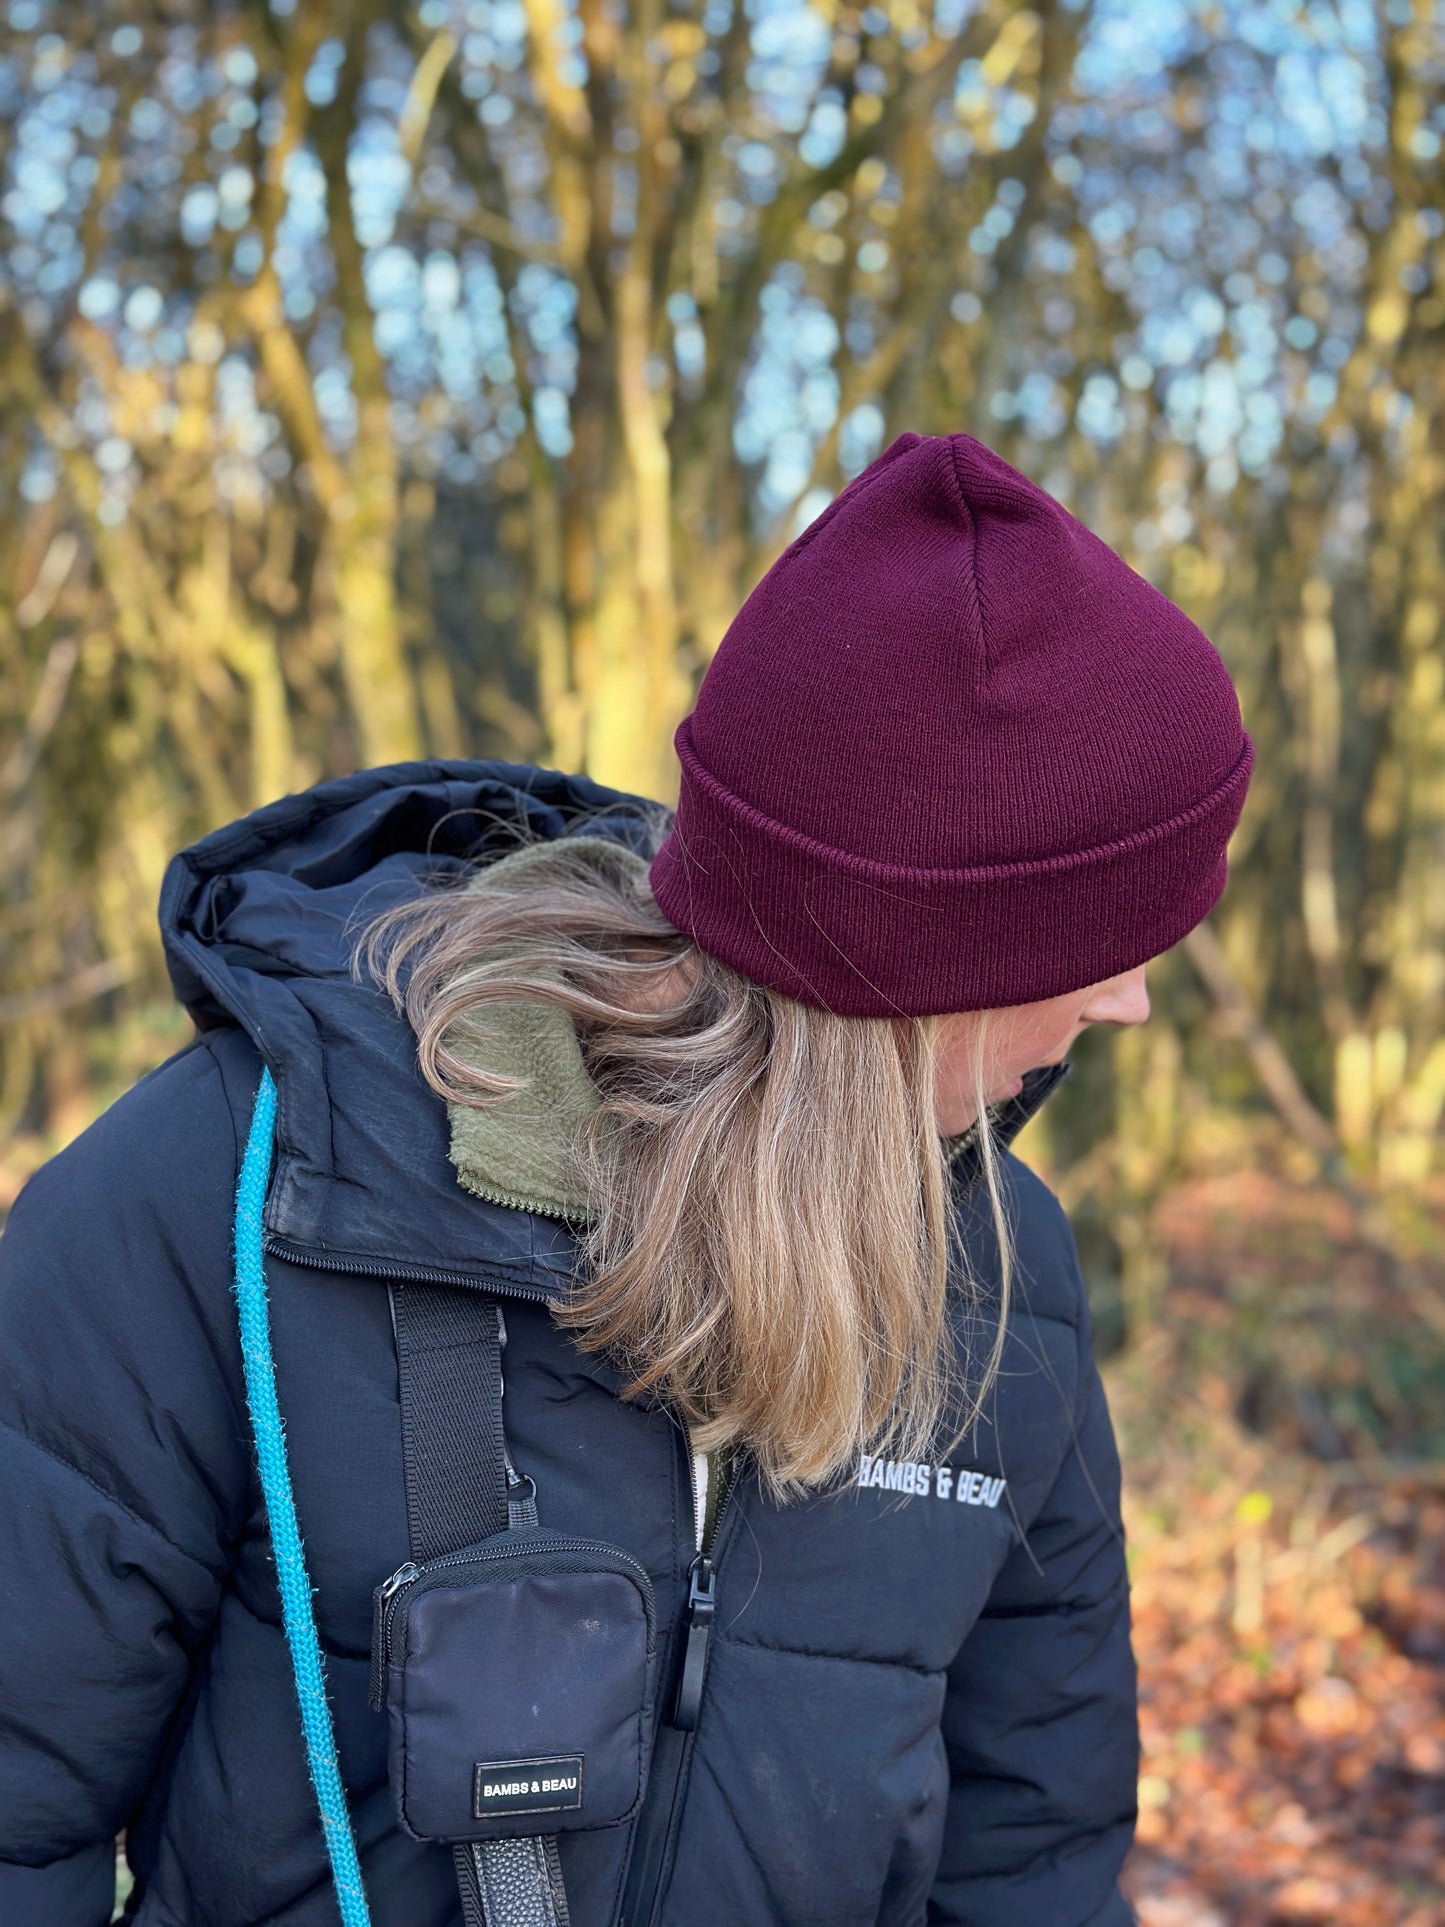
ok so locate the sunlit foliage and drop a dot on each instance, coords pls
(385, 379)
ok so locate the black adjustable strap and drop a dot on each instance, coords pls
(449, 1355)
(458, 1487)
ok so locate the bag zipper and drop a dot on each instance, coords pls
(390, 1595)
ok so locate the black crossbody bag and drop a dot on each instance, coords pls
(515, 1664)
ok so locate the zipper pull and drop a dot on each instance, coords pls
(521, 1498)
(701, 1604)
(380, 1616)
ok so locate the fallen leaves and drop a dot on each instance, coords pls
(1289, 1613)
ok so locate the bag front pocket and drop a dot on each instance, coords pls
(517, 1679)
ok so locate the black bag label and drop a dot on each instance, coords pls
(526, 1786)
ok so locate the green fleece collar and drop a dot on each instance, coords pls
(518, 1152)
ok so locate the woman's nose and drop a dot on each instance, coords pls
(1122, 1000)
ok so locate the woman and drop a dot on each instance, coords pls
(794, 1349)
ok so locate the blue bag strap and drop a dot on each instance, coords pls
(292, 1577)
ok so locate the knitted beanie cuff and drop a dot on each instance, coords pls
(870, 939)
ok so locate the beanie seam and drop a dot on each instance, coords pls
(978, 596)
(1020, 867)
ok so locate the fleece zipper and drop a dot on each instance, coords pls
(513, 1201)
(701, 1482)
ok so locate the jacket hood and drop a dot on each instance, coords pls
(259, 922)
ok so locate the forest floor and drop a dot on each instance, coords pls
(1283, 1435)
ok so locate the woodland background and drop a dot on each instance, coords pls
(385, 379)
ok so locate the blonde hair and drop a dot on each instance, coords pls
(770, 1239)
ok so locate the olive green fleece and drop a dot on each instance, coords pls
(517, 1152)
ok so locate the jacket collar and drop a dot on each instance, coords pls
(1006, 1120)
(260, 921)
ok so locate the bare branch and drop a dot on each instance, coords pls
(21, 1006)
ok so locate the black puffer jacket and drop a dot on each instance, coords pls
(920, 1697)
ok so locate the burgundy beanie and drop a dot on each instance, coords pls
(952, 754)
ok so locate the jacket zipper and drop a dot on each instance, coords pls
(400, 1274)
(701, 1586)
(661, 1814)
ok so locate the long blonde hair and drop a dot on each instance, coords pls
(770, 1237)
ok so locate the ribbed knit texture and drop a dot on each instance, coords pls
(953, 753)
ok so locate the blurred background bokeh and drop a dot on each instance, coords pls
(383, 380)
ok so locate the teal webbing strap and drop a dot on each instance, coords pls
(291, 1574)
